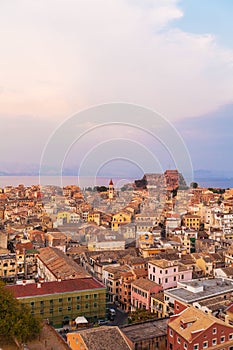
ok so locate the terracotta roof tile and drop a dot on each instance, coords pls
(56, 287)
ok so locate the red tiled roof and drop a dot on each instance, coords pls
(56, 287)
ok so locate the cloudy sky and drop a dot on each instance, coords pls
(61, 56)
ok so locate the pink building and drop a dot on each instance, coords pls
(168, 273)
(141, 291)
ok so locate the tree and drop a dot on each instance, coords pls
(194, 185)
(141, 315)
(16, 321)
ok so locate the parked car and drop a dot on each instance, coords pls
(102, 322)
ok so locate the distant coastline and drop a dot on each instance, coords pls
(13, 180)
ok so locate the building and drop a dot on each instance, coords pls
(121, 218)
(158, 305)
(172, 179)
(167, 273)
(192, 329)
(141, 291)
(111, 278)
(192, 221)
(111, 190)
(197, 291)
(62, 301)
(106, 245)
(53, 264)
(12, 266)
(148, 335)
(56, 239)
(102, 338)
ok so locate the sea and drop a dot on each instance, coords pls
(89, 181)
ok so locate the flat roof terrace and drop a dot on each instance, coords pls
(194, 290)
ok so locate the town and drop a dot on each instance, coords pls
(145, 266)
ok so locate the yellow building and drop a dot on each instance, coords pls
(151, 252)
(63, 301)
(192, 221)
(120, 218)
(95, 217)
(158, 306)
(145, 240)
(64, 216)
(204, 263)
(11, 266)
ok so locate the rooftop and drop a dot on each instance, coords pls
(197, 320)
(163, 263)
(56, 287)
(104, 338)
(144, 284)
(60, 264)
(194, 290)
(146, 330)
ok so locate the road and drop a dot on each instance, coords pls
(121, 317)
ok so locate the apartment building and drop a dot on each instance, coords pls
(62, 301)
(192, 329)
(167, 273)
(141, 291)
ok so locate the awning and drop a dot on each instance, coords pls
(80, 319)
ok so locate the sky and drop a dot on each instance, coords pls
(59, 57)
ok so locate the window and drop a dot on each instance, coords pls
(78, 307)
(60, 309)
(78, 297)
(171, 333)
(87, 306)
(69, 299)
(174, 278)
(185, 346)
(178, 340)
(87, 296)
(231, 336)
(60, 300)
(95, 304)
(195, 347)
(175, 270)
(166, 272)
(205, 344)
(214, 341)
(69, 308)
(95, 296)
(42, 312)
(222, 339)
(214, 330)
(51, 301)
(166, 280)
(42, 302)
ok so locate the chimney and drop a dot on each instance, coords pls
(24, 283)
